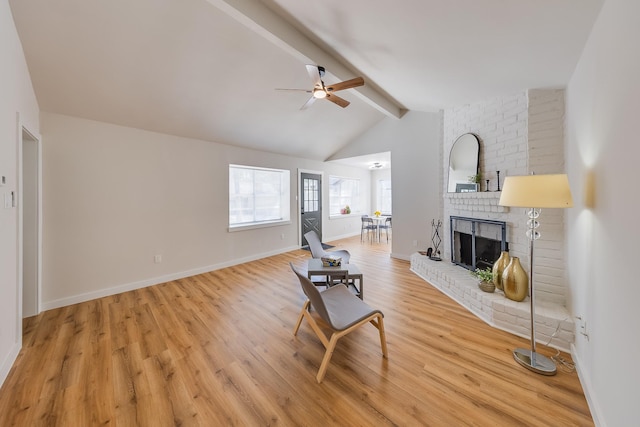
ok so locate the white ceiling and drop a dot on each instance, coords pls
(208, 69)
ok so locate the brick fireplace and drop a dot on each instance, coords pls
(518, 134)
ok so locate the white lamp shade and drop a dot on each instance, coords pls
(536, 191)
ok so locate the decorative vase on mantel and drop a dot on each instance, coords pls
(498, 267)
(515, 282)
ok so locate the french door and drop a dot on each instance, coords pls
(310, 204)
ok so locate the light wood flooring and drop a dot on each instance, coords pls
(218, 350)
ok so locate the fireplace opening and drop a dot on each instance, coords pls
(476, 243)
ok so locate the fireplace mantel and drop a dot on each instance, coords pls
(481, 201)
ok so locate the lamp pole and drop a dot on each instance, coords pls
(529, 358)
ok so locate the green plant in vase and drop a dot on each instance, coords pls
(485, 278)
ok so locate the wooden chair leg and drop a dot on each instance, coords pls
(327, 357)
(305, 307)
(383, 337)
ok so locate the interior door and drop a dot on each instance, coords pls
(311, 204)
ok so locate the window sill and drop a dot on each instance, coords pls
(235, 228)
(344, 216)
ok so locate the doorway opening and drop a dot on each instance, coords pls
(378, 197)
(29, 222)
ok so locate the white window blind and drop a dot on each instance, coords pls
(258, 196)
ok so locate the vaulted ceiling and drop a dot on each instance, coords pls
(208, 69)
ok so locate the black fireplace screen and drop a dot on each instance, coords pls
(477, 243)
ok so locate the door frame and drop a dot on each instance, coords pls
(299, 204)
(23, 129)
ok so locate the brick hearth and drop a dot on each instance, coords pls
(494, 308)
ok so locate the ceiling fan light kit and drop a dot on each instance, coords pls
(320, 91)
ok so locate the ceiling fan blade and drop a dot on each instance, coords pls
(337, 100)
(314, 73)
(308, 103)
(348, 84)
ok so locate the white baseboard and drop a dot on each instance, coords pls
(7, 363)
(403, 257)
(587, 389)
(342, 236)
(113, 290)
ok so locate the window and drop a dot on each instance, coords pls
(343, 192)
(257, 196)
(311, 196)
(384, 196)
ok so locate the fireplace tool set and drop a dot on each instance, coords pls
(436, 240)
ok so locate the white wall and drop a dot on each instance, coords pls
(603, 104)
(415, 143)
(114, 197)
(17, 97)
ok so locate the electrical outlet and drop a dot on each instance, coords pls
(157, 259)
(282, 236)
(415, 243)
(582, 327)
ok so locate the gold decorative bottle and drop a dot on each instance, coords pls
(498, 267)
(515, 281)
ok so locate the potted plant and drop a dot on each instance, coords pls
(485, 278)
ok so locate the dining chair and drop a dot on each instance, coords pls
(340, 311)
(368, 226)
(386, 227)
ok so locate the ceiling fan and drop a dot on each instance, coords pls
(322, 91)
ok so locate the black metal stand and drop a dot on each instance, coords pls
(436, 239)
(498, 173)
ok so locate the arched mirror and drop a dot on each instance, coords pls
(463, 164)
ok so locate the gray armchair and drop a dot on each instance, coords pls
(317, 251)
(341, 311)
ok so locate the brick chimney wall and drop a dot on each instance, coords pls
(518, 134)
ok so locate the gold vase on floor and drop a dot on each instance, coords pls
(498, 268)
(515, 281)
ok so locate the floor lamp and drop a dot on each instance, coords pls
(535, 192)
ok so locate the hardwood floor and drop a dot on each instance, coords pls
(217, 349)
